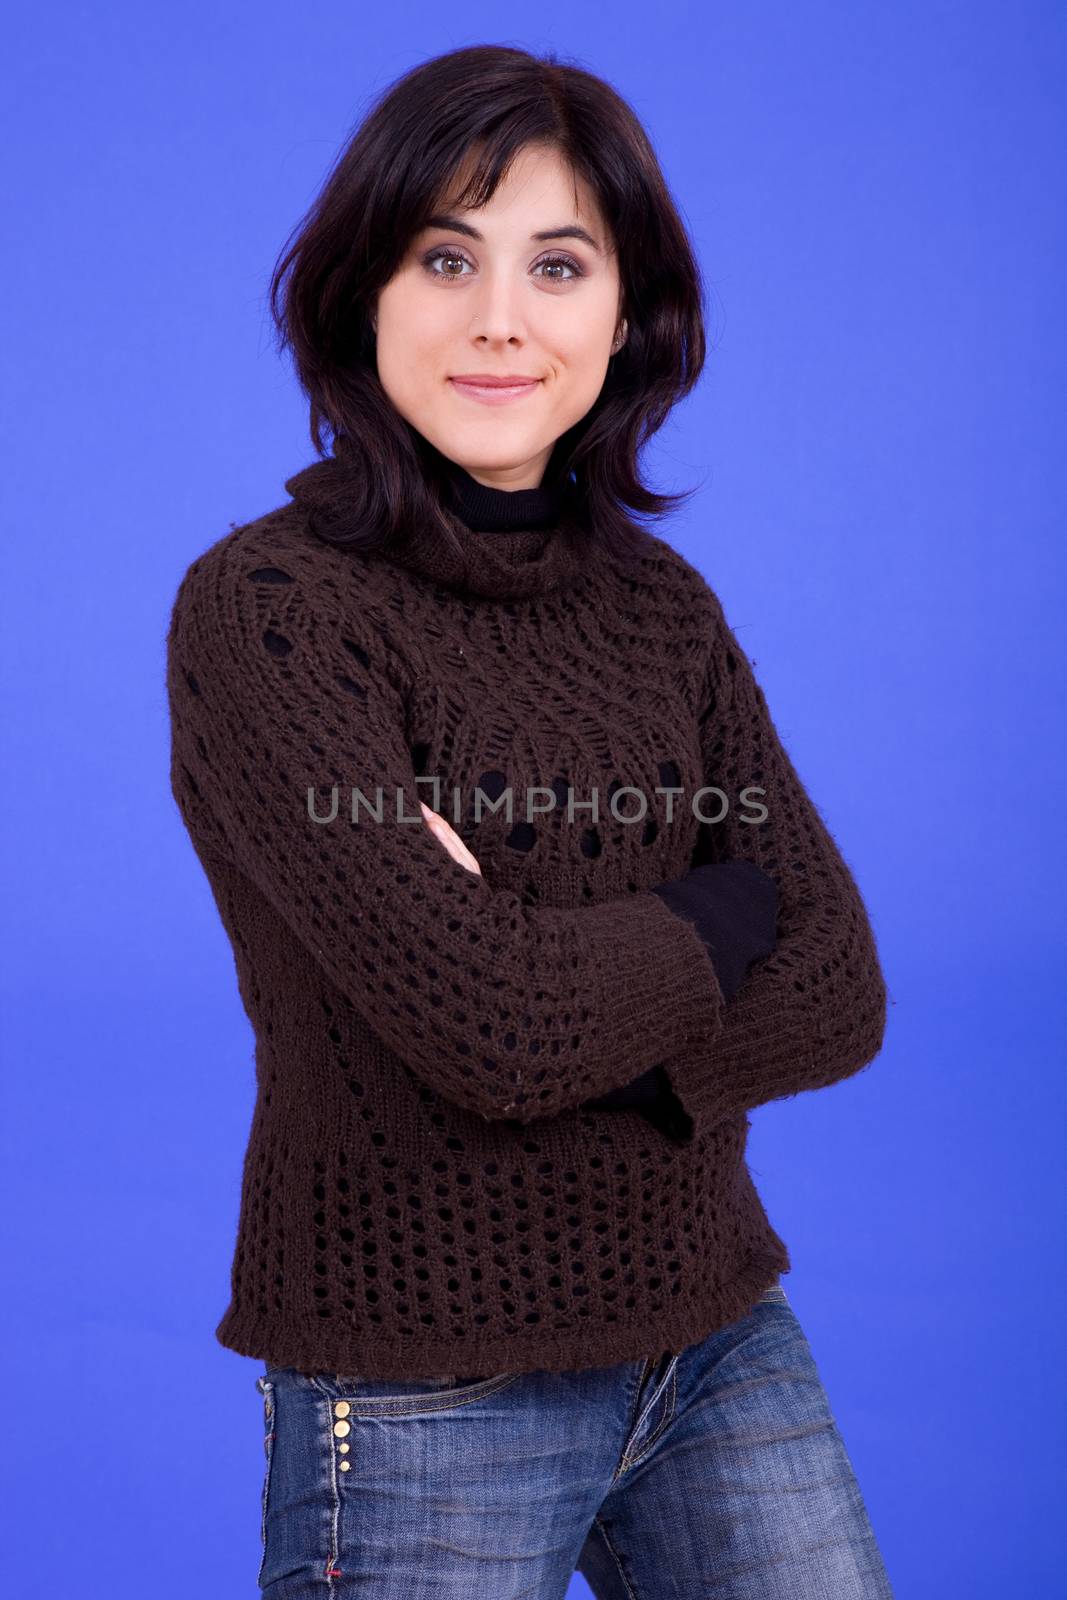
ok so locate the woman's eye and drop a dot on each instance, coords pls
(445, 255)
(562, 261)
(453, 259)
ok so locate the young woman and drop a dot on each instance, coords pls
(528, 905)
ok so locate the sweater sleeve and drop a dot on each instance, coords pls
(277, 694)
(813, 1011)
(733, 906)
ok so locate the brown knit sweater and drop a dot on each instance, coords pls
(423, 1190)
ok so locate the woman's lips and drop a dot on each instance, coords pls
(493, 394)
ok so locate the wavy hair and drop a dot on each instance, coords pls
(484, 104)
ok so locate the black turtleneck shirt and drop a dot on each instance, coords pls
(487, 510)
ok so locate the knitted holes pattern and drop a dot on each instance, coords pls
(513, 1009)
(422, 1189)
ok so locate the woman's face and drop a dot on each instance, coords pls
(480, 294)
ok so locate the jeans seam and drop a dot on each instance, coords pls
(603, 1532)
(668, 1414)
(647, 1368)
(266, 1389)
(333, 1559)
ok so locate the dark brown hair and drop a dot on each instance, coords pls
(484, 104)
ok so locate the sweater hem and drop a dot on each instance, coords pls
(600, 1344)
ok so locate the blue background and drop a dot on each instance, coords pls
(876, 195)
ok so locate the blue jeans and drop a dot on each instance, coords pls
(719, 1470)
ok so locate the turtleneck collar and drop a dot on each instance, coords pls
(511, 545)
(487, 510)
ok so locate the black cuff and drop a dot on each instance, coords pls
(734, 907)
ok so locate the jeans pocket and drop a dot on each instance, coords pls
(406, 1396)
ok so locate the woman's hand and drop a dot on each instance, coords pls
(450, 839)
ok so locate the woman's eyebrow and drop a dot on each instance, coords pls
(567, 231)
